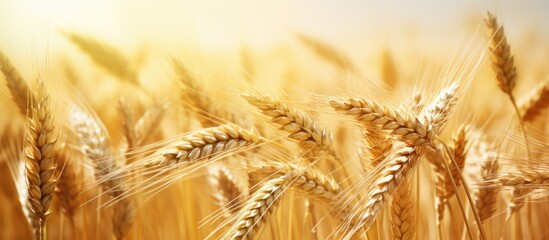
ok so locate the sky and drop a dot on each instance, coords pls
(26, 26)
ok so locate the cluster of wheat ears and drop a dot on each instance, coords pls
(198, 163)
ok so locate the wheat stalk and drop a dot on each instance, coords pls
(205, 144)
(41, 162)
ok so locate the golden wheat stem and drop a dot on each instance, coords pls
(521, 124)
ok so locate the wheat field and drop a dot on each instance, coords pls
(397, 130)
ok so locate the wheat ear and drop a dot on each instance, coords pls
(389, 70)
(392, 175)
(105, 56)
(18, 87)
(41, 162)
(486, 197)
(438, 112)
(95, 143)
(524, 178)
(148, 123)
(127, 115)
(70, 184)
(404, 127)
(444, 186)
(302, 127)
(205, 144)
(227, 191)
(195, 93)
(503, 64)
(326, 52)
(532, 107)
(403, 213)
(259, 208)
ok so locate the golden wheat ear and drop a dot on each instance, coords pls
(403, 213)
(228, 191)
(105, 56)
(259, 208)
(536, 103)
(40, 156)
(301, 126)
(392, 175)
(94, 141)
(18, 87)
(326, 52)
(401, 125)
(71, 183)
(205, 144)
(503, 65)
(444, 187)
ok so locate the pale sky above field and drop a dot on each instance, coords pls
(220, 24)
